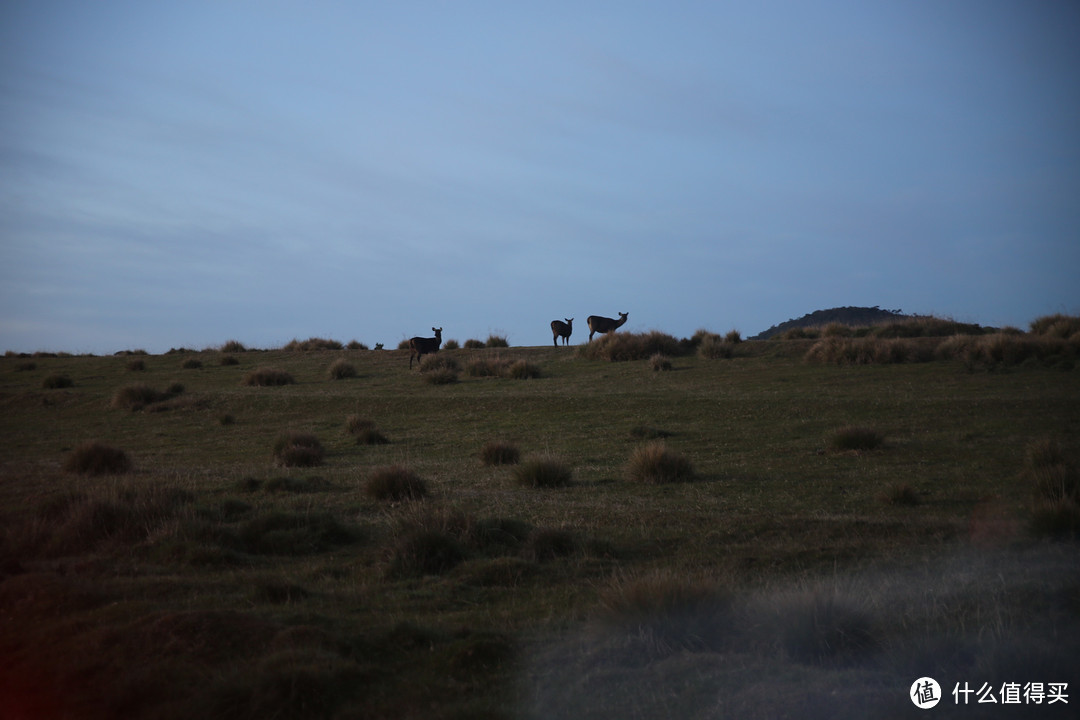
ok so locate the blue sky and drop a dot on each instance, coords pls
(188, 173)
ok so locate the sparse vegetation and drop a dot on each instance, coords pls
(313, 344)
(209, 581)
(138, 396)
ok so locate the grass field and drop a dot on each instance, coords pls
(779, 569)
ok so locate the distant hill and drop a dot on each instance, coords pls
(851, 316)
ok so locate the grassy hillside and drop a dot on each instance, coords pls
(755, 535)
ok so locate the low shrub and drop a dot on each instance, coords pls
(297, 449)
(228, 360)
(854, 438)
(655, 463)
(500, 453)
(57, 382)
(436, 361)
(342, 369)
(543, 472)
(191, 364)
(136, 366)
(496, 341)
(356, 345)
(451, 345)
(486, 367)
(268, 377)
(94, 458)
(396, 483)
(473, 344)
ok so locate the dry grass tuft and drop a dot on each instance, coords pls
(342, 369)
(655, 463)
(395, 483)
(854, 438)
(94, 458)
(268, 377)
(500, 453)
(365, 431)
(297, 449)
(544, 472)
(665, 612)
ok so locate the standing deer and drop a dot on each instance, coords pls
(562, 330)
(419, 346)
(598, 324)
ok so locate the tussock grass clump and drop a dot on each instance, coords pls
(474, 344)
(823, 626)
(523, 370)
(713, 347)
(660, 363)
(543, 544)
(233, 346)
(1059, 519)
(229, 360)
(280, 533)
(500, 453)
(622, 347)
(441, 376)
(341, 369)
(365, 431)
(137, 365)
(647, 432)
(1047, 469)
(424, 552)
(395, 483)
(496, 341)
(655, 463)
(313, 344)
(296, 485)
(95, 458)
(297, 449)
(486, 367)
(57, 382)
(191, 364)
(138, 396)
(1059, 326)
(439, 369)
(546, 471)
(901, 494)
(840, 350)
(664, 612)
(854, 438)
(268, 377)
